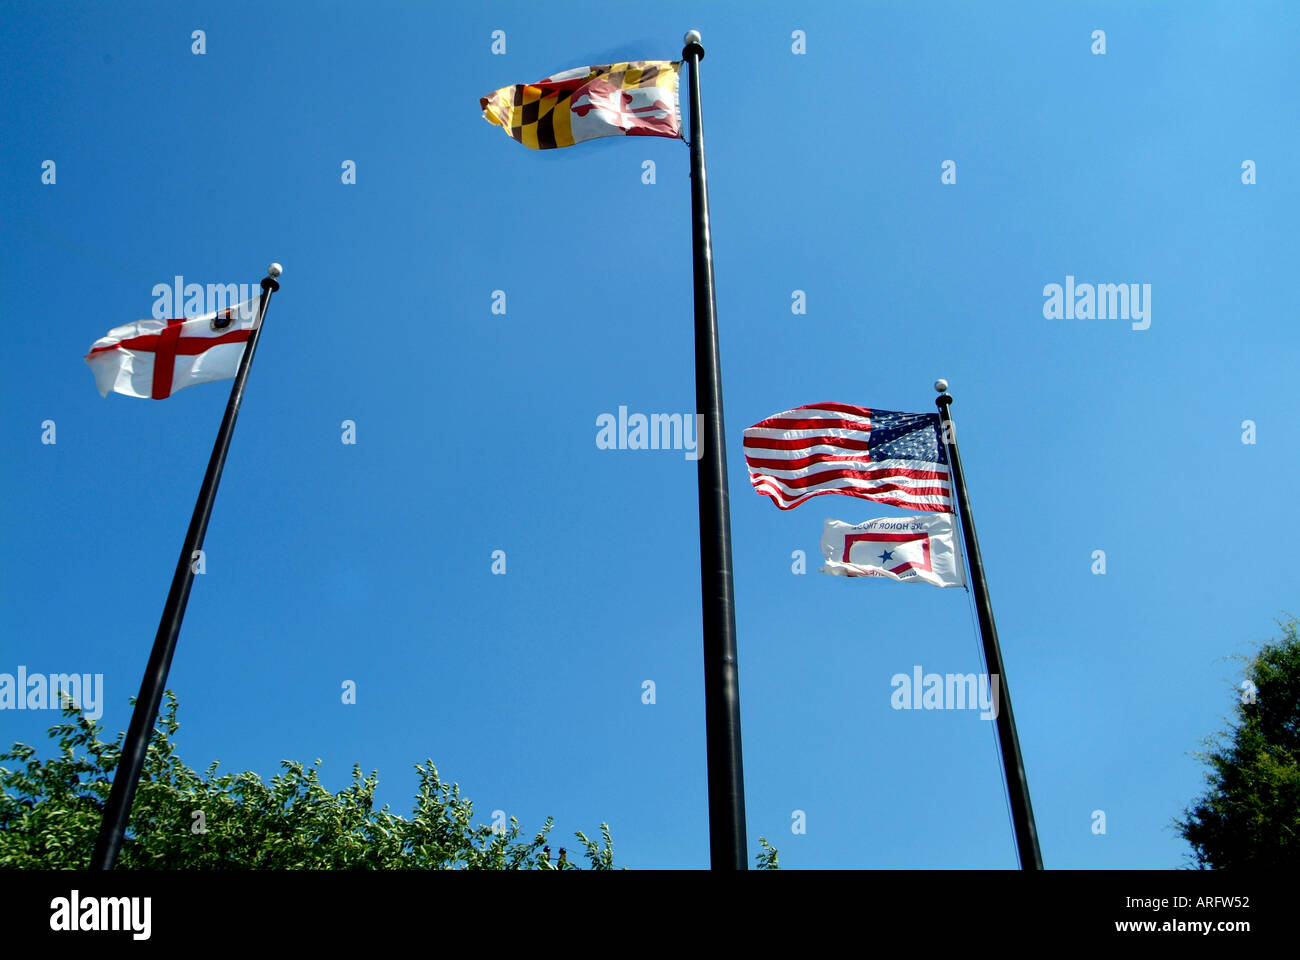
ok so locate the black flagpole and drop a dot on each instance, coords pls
(127, 775)
(727, 843)
(1022, 812)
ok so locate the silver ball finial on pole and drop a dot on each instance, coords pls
(274, 270)
(941, 386)
(692, 36)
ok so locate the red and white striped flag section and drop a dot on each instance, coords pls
(155, 358)
(910, 549)
(881, 455)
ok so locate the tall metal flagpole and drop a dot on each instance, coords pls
(727, 843)
(134, 748)
(1022, 812)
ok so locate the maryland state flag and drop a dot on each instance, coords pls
(637, 99)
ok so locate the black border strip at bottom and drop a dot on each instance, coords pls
(921, 908)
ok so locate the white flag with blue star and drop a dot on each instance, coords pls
(920, 549)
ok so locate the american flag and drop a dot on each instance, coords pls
(881, 455)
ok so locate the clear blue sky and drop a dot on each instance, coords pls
(476, 432)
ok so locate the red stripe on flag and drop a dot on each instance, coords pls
(798, 463)
(774, 443)
(876, 474)
(164, 359)
(817, 479)
(818, 423)
(185, 346)
(789, 503)
(836, 408)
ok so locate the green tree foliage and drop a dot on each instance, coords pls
(50, 813)
(1250, 815)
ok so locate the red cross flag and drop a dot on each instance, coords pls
(155, 358)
